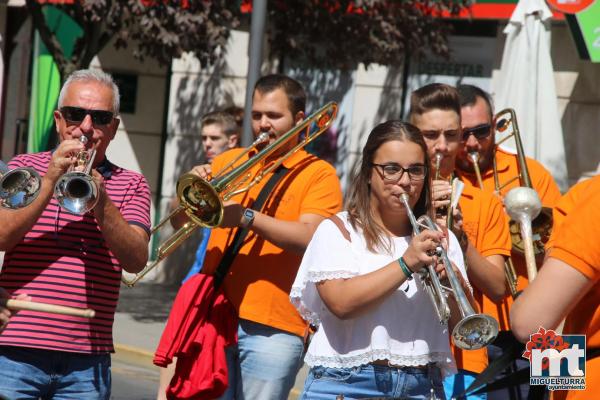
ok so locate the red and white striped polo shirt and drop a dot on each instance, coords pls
(64, 260)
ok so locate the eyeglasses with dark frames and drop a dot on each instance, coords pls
(395, 172)
(480, 132)
(77, 115)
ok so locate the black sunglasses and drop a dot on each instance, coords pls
(480, 132)
(77, 114)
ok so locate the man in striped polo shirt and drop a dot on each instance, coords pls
(72, 260)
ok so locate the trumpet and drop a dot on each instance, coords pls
(202, 201)
(438, 165)
(474, 330)
(446, 211)
(76, 191)
(18, 187)
(474, 157)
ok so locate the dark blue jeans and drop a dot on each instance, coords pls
(373, 381)
(27, 373)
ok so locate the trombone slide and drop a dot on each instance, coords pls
(527, 235)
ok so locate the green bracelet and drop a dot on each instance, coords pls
(405, 268)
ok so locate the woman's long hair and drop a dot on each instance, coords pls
(358, 204)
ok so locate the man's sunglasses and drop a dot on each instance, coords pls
(77, 114)
(480, 132)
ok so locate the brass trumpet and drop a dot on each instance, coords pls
(18, 187)
(444, 210)
(474, 157)
(474, 330)
(76, 191)
(202, 201)
(447, 211)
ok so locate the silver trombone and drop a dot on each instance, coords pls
(474, 330)
(18, 186)
(76, 191)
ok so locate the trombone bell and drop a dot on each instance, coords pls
(202, 203)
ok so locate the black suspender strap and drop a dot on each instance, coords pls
(241, 234)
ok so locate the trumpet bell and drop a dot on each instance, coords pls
(19, 187)
(475, 331)
(76, 192)
(201, 200)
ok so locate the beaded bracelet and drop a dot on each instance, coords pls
(405, 268)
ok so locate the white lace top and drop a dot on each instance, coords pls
(403, 329)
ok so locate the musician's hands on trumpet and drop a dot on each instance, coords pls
(421, 250)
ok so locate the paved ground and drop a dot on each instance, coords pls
(139, 322)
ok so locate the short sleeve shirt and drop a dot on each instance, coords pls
(577, 244)
(486, 226)
(261, 275)
(65, 260)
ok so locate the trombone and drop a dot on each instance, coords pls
(509, 269)
(18, 187)
(202, 201)
(474, 330)
(522, 205)
(76, 191)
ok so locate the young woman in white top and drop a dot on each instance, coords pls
(378, 333)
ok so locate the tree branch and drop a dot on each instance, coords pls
(48, 38)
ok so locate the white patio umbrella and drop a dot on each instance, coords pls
(526, 83)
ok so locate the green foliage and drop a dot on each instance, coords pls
(340, 33)
(322, 33)
(160, 29)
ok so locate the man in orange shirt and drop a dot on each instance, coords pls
(568, 285)
(477, 116)
(479, 222)
(271, 334)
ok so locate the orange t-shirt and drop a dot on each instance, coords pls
(507, 167)
(566, 204)
(577, 244)
(261, 276)
(486, 226)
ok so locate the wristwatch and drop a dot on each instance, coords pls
(247, 218)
